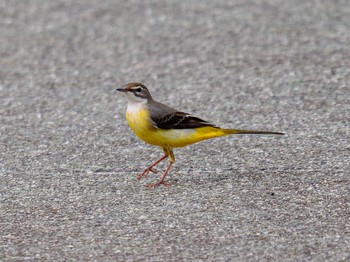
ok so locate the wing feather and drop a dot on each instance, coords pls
(179, 120)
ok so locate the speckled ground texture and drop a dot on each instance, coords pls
(69, 161)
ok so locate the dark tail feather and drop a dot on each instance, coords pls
(251, 132)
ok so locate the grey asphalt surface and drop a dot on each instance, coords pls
(69, 162)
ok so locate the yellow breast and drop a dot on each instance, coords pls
(139, 120)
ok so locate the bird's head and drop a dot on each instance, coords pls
(136, 92)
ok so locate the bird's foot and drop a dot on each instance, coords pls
(161, 182)
(146, 172)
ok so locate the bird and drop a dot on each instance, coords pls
(163, 126)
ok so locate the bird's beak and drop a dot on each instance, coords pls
(121, 90)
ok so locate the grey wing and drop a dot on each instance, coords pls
(165, 117)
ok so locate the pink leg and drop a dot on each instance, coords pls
(162, 180)
(150, 168)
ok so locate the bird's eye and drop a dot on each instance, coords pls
(138, 90)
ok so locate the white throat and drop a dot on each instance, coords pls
(135, 103)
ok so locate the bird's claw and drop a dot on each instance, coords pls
(153, 185)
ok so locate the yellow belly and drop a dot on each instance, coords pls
(143, 128)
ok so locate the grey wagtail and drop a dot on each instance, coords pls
(166, 127)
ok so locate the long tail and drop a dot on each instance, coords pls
(251, 132)
(207, 132)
